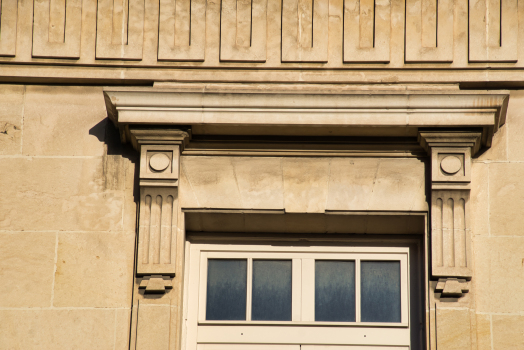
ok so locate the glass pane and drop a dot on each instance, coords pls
(226, 289)
(335, 290)
(271, 290)
(380, 290)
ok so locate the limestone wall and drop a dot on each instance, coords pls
(67, 229)
(492, 313)
(67, 221)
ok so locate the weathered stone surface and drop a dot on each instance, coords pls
(499, 274)
(123, 319)
(376, 184)
(312, 39)
(26, 267)
(506, 198)
(58, 329)
(483, 331)
(479, 199)
(57, 194)
(508, 332)
(94, 269)
(153, 325)
(11, 118)
(311, 185)
(259, 182)
(305, 184)
(499, 147)
(64, 121)
(131, 196)
(453, 329)
(515, 126)
(212, 181)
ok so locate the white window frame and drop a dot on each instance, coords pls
(302, 330)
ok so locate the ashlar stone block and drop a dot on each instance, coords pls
(499, 274)
(58, 329)
(376, 184)
(508, 332)
(11, 116)
(58, 194)
(94, 269)
(515, 126)
(153, 325)
(453, 329)
(305, 184)
(506, 197)
(64, 121)
(26, 268)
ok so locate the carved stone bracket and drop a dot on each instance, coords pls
(155, 284)
(451, 154)
(159, 210)
(452, 287)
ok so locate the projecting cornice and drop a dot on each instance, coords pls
(309, 106)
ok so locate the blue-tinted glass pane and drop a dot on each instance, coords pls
(335, 290)
(226, 289)
(271, 290)
(380, 290)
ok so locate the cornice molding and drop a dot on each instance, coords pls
(306, 106)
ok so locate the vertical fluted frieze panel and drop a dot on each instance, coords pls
(305, 30)
(166, 231)
(157, 230)
(57, 26)
(243, 30)
(493, 30)
(120, 29)
(145, 229)
(8, 19)
(429, 30)
(367, 31)
(438, 232)
(450, 234)
(182, 30)
(460, 234)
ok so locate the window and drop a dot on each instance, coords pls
(296, 296)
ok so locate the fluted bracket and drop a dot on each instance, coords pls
(451, 153)
(159, 210)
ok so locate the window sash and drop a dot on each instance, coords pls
(211, 334)
(303, 281)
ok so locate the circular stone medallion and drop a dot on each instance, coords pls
(159, 162)
(451, 165)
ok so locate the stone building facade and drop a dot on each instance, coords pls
(144, 143)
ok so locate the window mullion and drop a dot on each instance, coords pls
(249, 288)
(308, 290)
(296, 291)
(357, 290)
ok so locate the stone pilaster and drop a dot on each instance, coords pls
(451, 154)
(159, 209)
